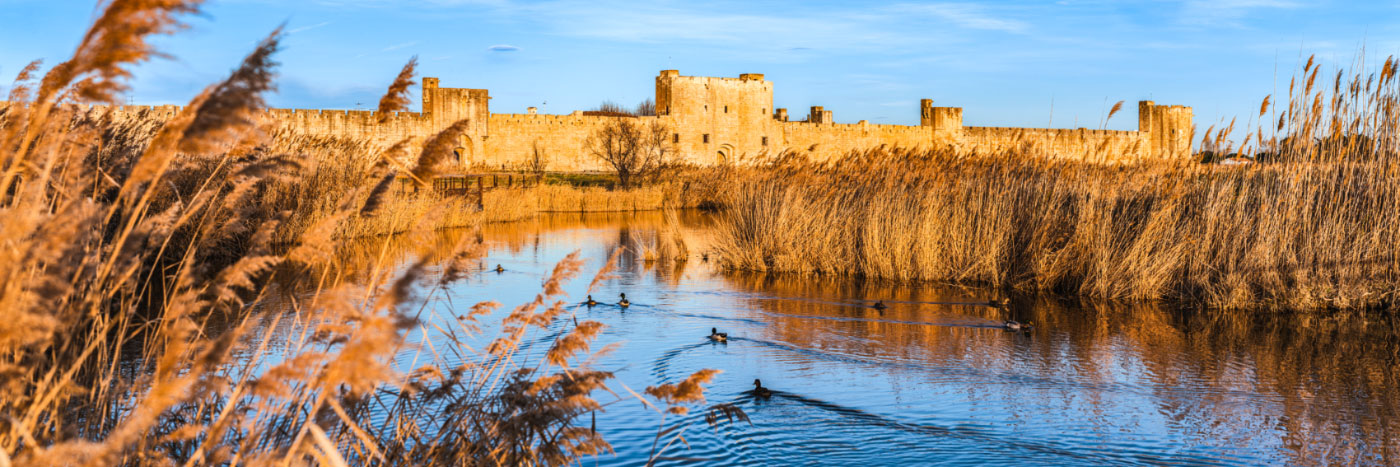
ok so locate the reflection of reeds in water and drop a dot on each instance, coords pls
(1324, 384)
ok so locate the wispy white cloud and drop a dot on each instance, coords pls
(420, 4)
(760, 31)
(967, 15)
(389, 48)
(308, 28)
(399, 46)
(759, 28)
(1228, 12)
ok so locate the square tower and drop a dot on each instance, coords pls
(443, 107)
(1169, 129)
(717, 119)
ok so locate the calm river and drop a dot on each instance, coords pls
(933, 378)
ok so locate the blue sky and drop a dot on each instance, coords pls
(1004, 62)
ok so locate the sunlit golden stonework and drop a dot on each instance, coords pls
(722, 120)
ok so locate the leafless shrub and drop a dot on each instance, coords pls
(632, 148)
(647, 108)
(538, 161)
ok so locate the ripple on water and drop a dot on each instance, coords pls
(932, 379)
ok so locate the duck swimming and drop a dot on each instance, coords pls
(1012, 325)
(999, 302)
(500, 269)
(879, 305)
(760, 391)
(624, 303)
(590, 301)
(717, 336)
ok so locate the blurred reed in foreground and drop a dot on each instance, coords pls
(121, 240)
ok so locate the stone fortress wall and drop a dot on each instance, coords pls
(717, 121)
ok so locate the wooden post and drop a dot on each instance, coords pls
(480, 193)
(510, 181)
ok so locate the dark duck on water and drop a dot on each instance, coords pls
(759, 391)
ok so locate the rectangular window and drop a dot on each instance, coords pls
(705, 138)
(676, 138)
(765, 140)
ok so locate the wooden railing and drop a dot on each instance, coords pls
(471, 185)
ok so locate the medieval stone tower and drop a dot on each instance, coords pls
(1168, 127)
(946, 123)
(445, 106)
(717, 119)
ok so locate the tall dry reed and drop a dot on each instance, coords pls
(1315, 224)
(124, 239)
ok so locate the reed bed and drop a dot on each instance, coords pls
(665, 245)
(124, 240)
(1314, 224)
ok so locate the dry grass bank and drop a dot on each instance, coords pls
(1317, 226)
(121, 241)
(317, 176)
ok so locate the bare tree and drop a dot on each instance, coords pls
(656, 148)
(646, 109)
(538, 161)
(609, 109)
(630, 147)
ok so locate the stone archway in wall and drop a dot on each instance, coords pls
(725, 154)
(464, 152)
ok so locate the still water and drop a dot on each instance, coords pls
(933, 378)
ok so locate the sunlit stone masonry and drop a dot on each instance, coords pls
(719, 121)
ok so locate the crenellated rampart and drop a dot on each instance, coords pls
(713, 121)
